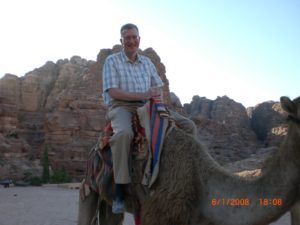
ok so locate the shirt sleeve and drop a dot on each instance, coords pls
(155, 78)
(110, 77)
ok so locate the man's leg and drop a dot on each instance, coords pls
(120, 143)
(120, 147)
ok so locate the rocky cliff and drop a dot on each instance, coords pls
(59, 107)
(233, 132)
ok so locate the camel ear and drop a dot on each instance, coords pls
(288, 105)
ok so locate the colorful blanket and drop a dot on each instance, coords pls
(154, 118)
(152, 124)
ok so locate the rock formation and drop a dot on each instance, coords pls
(59, 106)
(267, 121)
(224, 126)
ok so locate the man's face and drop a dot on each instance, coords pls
(130, 41)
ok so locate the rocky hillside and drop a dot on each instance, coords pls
(233, 132)
(59, 107)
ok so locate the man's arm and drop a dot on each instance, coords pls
(118, 94)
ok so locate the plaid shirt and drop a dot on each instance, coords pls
(119, 72)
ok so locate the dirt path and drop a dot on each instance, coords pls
(50, 205)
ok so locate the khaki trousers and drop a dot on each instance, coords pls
(120, 142)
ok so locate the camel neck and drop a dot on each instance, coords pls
(267, 196)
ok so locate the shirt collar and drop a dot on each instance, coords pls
(125, 58)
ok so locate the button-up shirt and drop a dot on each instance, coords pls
(120, 72)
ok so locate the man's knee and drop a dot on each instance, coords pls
(124, 135)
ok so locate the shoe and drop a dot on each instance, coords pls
(118, 207)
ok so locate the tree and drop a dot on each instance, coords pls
(45, 163)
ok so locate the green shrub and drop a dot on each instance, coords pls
(27, 176)
(60, 176)
(35, 181)
(32, 180)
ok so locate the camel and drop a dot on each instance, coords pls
(193, 189)
(295, 214)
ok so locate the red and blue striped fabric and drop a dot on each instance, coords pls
(158, 124)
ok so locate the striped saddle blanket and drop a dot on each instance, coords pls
(150, 125)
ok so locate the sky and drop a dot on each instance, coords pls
(248, 50)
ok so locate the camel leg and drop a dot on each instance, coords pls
(87, 208)
(295, 214)
(168, 211)
(106, 216)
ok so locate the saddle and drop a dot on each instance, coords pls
(150, 124)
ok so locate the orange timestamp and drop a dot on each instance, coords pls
(271, 201)
(230, 202)
(245, 201)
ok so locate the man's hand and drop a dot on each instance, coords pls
(156, 94)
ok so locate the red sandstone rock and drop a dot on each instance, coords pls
(60, 106)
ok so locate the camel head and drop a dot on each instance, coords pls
(293, 110)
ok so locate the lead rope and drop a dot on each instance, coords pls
(96, 217)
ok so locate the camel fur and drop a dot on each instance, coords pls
(295, 214)
(190, 179)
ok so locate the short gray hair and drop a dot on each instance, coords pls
(128, 26)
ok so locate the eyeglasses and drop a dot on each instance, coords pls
(133, 37)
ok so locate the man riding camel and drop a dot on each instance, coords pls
(129, 80)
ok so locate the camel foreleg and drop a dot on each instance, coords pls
(92, 209)
(106, 216)
(88, 201)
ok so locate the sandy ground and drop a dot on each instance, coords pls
(47, 205)
(50, 205)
